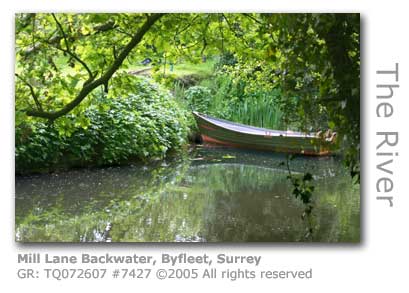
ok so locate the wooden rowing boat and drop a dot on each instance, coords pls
(227, 133)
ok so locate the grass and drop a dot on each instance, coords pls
(204, 69)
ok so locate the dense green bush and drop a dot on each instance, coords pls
(166, 80)
(226, 59)
(143, 125)
(199, 98)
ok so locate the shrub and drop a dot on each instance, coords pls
(199, 98)
(143, 125)
(226, 59)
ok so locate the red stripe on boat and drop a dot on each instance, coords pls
(208, 127)
(216, 141)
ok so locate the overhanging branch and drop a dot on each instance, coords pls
(68, 50)
(33, 93)
(88, 87)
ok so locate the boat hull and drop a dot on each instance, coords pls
(219, 132)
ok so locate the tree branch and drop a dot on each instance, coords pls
(253, 18)
(61, 30)
(88, 87)
(204, 40)
(236, 34)
(109, 25)
(123, 32)
(55, 40)
(33, 94)
(179, 47)
(68, 50)
(91, 75)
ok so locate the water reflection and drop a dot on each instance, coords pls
(213, 195)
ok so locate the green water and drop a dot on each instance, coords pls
(210, 195)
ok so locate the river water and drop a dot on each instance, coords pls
(210, 195)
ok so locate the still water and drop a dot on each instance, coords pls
(211, 195)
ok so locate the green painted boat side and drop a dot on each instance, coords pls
(223, 132)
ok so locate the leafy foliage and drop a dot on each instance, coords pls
(303, 189)
(111, 130)
(226, 59)
(45, 40)
(319, 54)
(199, 98)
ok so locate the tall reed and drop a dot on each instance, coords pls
(260, 110)
(223, 98)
